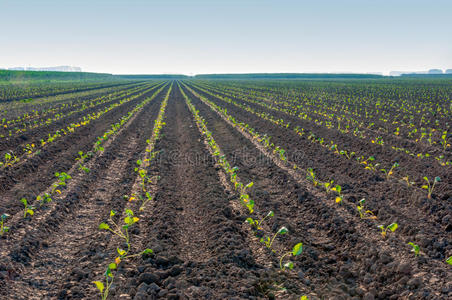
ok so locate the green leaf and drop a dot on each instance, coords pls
(30, 211)
(393, 226)
(104, 226)
(148, 251)
(304, 298)
(121, 252)
(289, 265)
(338, 189)
(270, 213)
(112, 266)
(449, 260)
(24, 201)
(437, 179)
(250, 221)
(283, 230)
(99, 285)
(424, 187)
(297, 249)
(249, 185)
(112, 213)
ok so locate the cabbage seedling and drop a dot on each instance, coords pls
(429, 187)
(391, 171)
(269, 242)
(338, 190)
(109, 277)
(415, 248)
(365, 214)
(121, 231)
(392, 227)
(257, 224)
(62, 178)
(311, 176)
(328, 186)
(28, 209)
(145, 200)
(46, 198)
(297, 250)
(3, 228)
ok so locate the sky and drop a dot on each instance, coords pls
(233, 36)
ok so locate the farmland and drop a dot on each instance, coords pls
(226, 189)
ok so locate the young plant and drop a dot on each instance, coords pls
(28, 209)
(3, 228)
(429, 187)
(328, 186)
(311, 176)
(338, 190)
(407, 180)
(391, 171)
(365, 214)
(62, 178)
(144, 200)
(415, 248)
(392, 227)
(46, 198)
(269, 242)
(109, 277)
(297, 250)
(346, 154)
(257, 224)
(81, 158)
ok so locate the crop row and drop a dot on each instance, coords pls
(367, 162)
(255, 219)
(310, 175)
(30, 207)
(9, 92)
(30, 149)
(333, 120)
(121, 227)
(422, 113)
(35, 118)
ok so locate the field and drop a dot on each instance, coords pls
(226, 189)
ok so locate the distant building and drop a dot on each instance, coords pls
(51, 69)
(435, 71)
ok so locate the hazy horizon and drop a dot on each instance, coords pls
(202, 37)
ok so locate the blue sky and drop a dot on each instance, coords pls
(201, 36)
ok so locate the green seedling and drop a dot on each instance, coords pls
(328, 186)
(28, 209)
(46, 198)
(347, 154)
(311, 176)
(144, 200)
(297, 250)
(415, 248)
(429, 187)
(109, 277)
(391, 171)
(338, 190)
(269, 242)
(62, 181)
(81, 158)
(3, 228)
(257, 224)
(9, 160)
(392, 227)
(365, 214)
